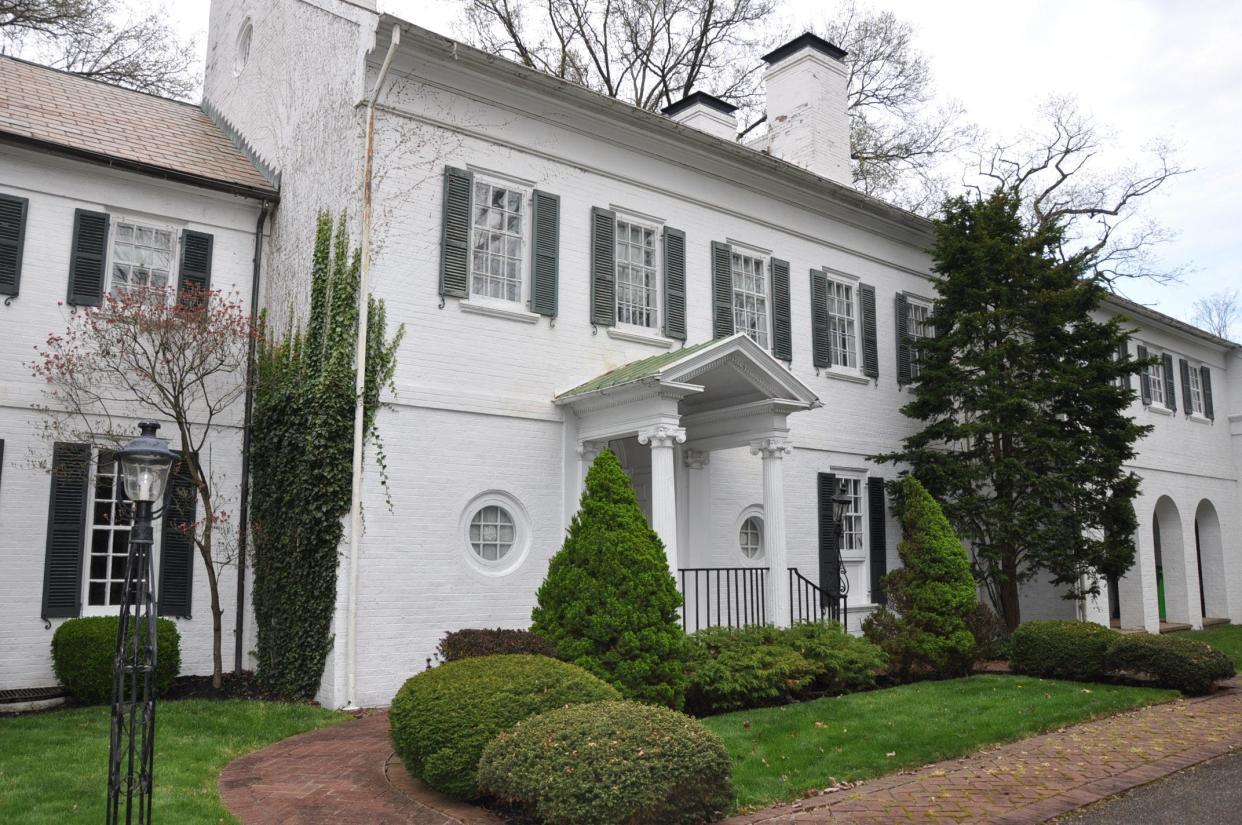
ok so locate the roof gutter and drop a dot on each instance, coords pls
(360, 384)
(151, 170)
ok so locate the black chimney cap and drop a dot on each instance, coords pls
(816, 42)
(699, 97)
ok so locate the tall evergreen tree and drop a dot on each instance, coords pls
(1023, 399)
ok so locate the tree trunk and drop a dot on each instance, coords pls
(1011, 610)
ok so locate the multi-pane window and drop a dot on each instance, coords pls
(842, 324)
(1155, 376)
(636, 274)
(750, 538)
(498, 230)
(852, 521)
(1196, 391)
(918, 326)
(492, 532)
(112, 514)
(142, 258)
(750, 297)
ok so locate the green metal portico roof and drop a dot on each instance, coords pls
(637, 370)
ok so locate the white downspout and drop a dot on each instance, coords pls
(360, 383)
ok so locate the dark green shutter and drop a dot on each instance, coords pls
(675, 283)
(603, 266)
(782, 336)
(86, 261)
(455, 233)
(1205, 376)
(545, 253)
(722, 290)
(821, 341)
(829, 552)
(12, 240)
(1, 463)
(195, 276)
(901, 310)
(877, 539)
(1144, 376)
(1123, 356)
(870, 350)
(1170, 384)
(66, 525)
(1187, 399)
(177, 543)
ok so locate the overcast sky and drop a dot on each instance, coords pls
(1146, 69)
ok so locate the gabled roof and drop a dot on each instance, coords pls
(68, 114)
(687, 363)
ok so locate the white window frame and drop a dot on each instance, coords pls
(913, 304)
(1195, 387)
(525, 237)
(108, 608)
(657, 311)
(517, 554)
(754, 511)
(856, 517)
(115, 220)
(764, 261)
(1156, 379)
(838, 280)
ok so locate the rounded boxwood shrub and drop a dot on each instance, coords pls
(746, 667)
(609, 602)
(1060, 649)
(610, 763)
(442, 718)
(840, 662)
(83, 651)
(470, 642)
(1187, 665)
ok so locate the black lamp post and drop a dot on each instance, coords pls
(145, 463)
(840, 506)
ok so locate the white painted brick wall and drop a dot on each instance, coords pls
(55, 188)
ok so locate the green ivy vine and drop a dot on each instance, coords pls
(301, 451)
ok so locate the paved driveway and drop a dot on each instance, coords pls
(1207, 794)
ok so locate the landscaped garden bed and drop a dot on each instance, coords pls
(784, 753)
(54, 766)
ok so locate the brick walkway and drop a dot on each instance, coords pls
(344, 775)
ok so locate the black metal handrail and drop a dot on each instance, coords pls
(809, 603)
(723, 597)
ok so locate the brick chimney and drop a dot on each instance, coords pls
(706, 113)
(807, 118)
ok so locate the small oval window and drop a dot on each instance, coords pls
(750, 537)
(243, 46)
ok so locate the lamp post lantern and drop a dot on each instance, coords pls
(145, 464)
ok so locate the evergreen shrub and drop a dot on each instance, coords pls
(749, 667)
(609, 602)
(610, 763)
(83, 651)
(1187, 665)
(470, 642)
(442, 718)
(1061, 649)
(932, 595)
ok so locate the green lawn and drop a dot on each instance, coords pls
(1225, 638)
(54, 766)
(781, 753)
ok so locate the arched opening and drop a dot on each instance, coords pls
(1172, 587)
(1210, 554)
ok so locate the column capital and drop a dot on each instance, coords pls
(696, 459)
(662, 435)
(588, 450)
(771, 448)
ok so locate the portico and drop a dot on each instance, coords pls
(681, 406)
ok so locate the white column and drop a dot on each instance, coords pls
(662, 437)
(698, 507)
(588, 451)
(773, 452)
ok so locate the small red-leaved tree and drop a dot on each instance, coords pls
(178, 359)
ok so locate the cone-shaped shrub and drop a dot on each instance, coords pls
(609, 603)
(933, 595)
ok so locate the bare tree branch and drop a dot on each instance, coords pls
(1219, 313)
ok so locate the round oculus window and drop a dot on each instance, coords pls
(492, 533)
